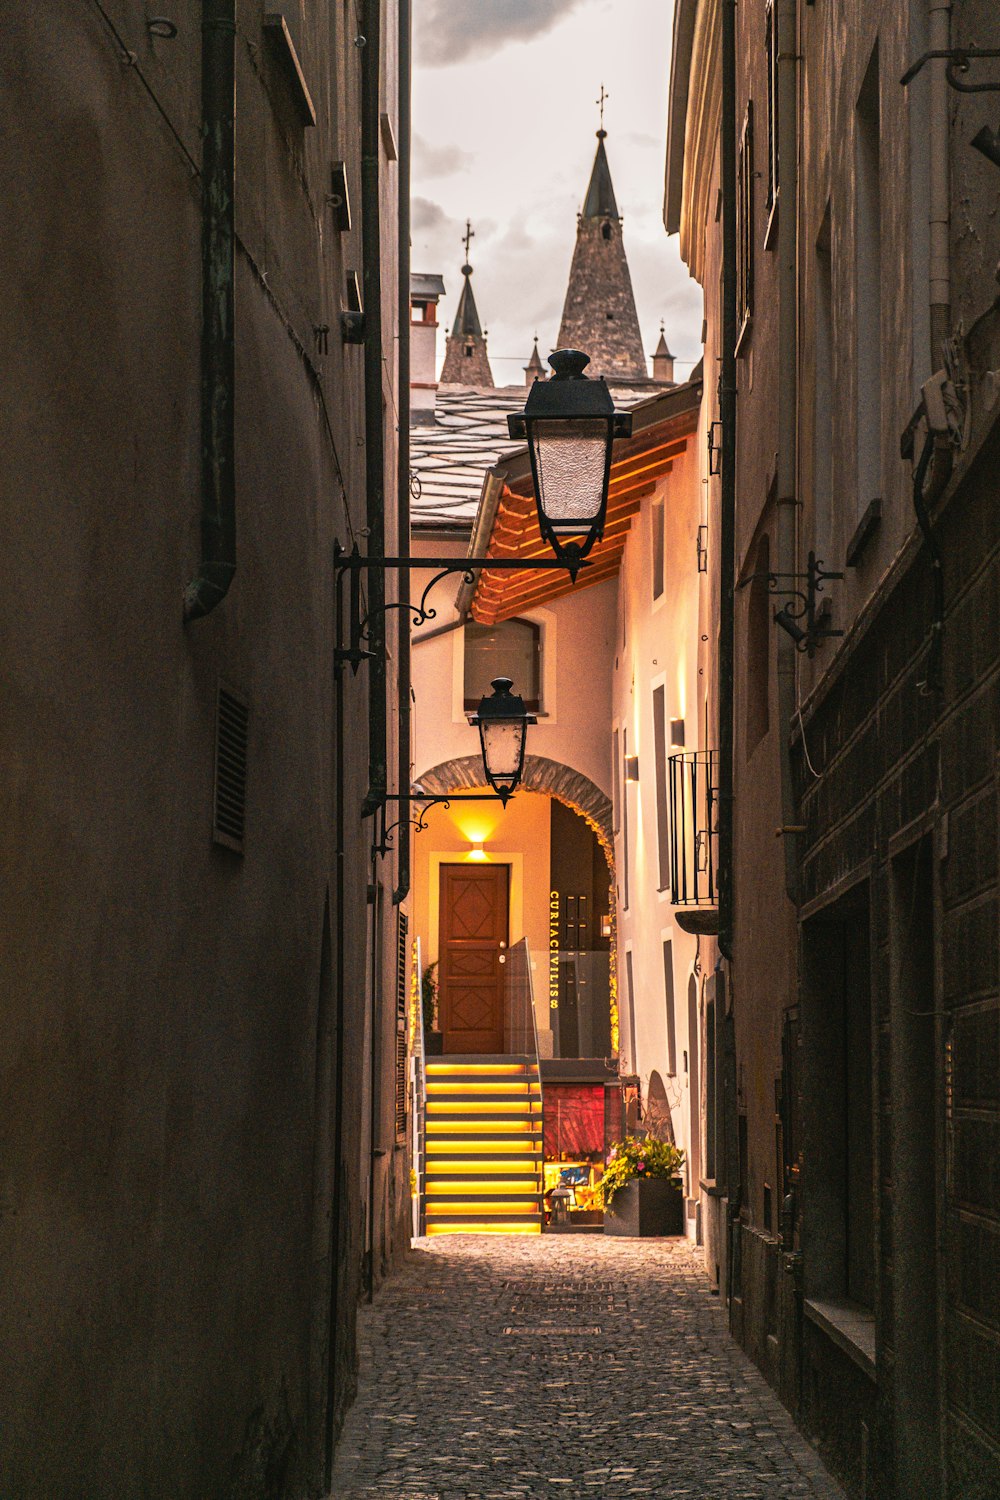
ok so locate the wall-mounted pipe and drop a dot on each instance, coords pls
(727, 526)
(403, 468)
(218, 173)
(939, 209)
(786, 21)
(371, 257)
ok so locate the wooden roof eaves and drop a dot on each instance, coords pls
(506, 605)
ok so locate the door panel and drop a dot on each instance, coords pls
(473, 937)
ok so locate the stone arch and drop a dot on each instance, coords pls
(540, 775)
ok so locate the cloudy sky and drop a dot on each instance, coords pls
(504, 115)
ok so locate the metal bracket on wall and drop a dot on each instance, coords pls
(958, 62)
(352, 564)
(424, 800)
(801, 604)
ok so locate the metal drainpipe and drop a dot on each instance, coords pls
(403, 471)
(374, 413)
(374, 1059)
(727, 537)
(218, 172)
(939, 39)
(340, 1006)
(786, 18)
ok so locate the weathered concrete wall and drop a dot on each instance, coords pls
(167, 1237)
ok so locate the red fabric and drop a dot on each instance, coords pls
(574, 1119)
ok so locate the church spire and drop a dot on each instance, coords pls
(534, 369)
(465, 359)
(599, 313)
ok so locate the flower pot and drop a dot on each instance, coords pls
(646, 1207)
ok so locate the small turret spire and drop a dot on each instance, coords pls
(663, 361)
(534, 369)
(465, 358)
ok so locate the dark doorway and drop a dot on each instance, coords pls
(473, 934)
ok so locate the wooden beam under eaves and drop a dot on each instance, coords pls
(499, 585)
(646, 457)
(491, 613)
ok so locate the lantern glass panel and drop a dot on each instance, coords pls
(503, 747)
(570, 463)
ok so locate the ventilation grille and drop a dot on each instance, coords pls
(231, 727)
(402, 946)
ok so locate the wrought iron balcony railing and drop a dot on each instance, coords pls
(694, 839)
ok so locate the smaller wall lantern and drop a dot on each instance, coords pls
(503, 722)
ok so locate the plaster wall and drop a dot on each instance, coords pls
(168, 1237)
(577, 652)
(657, 643)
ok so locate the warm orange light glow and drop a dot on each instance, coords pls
(473, 1228)
(476, 852)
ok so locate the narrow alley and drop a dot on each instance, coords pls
(528, 1365)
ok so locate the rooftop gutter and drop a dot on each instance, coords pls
(482, 531)
(677, 108)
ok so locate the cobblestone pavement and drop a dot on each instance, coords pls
(576, 1365)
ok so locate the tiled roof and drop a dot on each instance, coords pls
(449, 458)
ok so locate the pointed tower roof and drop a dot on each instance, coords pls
(600, 200)
(599, 313)
(663, 362)
(534, 369)
(467, 316)
(465, 358)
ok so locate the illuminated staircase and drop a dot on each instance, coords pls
(483, 1145)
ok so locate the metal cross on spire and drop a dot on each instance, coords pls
(600, 103)
(469, 235)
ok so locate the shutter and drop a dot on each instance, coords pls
(232, 724)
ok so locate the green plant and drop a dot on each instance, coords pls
(428, 997)
(637, 1159)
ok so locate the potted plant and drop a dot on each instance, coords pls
(641, 1188)
(433, 1039)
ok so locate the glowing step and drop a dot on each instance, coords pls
(519, 1168)
(498, 1086)
(487, 1206)
(479, 1070)
(474, 1228)
(479, 1106)
(520, 1188)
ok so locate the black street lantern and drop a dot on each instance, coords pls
(503, 722)
(570, 424)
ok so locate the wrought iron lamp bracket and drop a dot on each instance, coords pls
(351, 565)
(384, 830)
(802, 605)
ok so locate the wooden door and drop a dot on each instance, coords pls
(473, 936)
